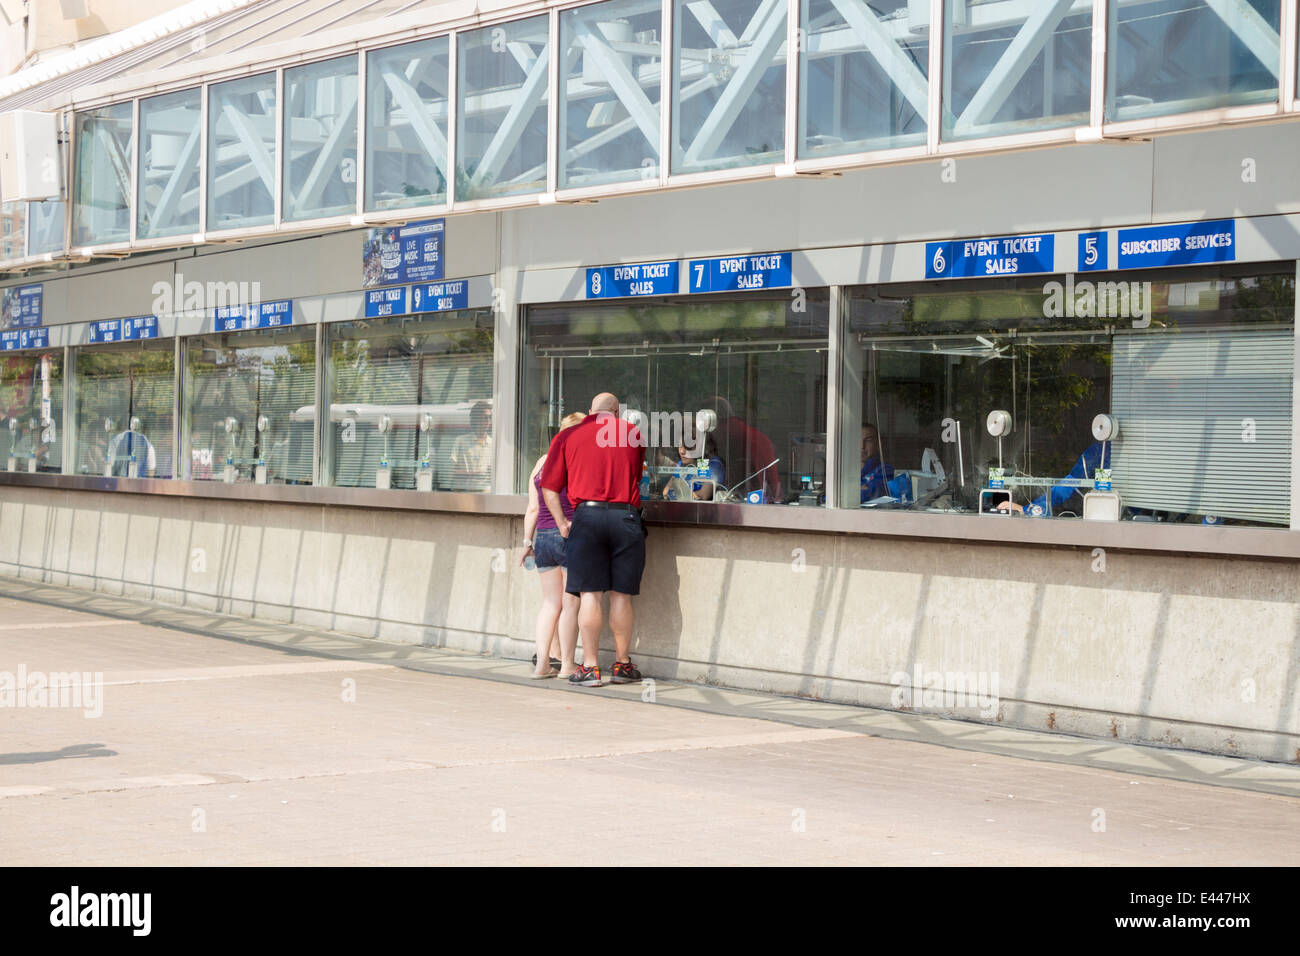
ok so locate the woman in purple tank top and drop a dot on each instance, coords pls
(557, 618)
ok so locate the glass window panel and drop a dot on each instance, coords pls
(935, 359)
(729, 85)
(320, 139)
(101, 193)
(1174, 56)
(124, 408)
(758, 362)
(864, 82)
(1030, 74)
(13, 222)
(241, 153)
(171, 130)
(609, 109)
(406, 125)
(31, 402)
(46, 221)
(501, 109)
(242, 380)
(412, 396)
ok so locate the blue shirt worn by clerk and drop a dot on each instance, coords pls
(875, 479)
(716, 471)
(1085, 467)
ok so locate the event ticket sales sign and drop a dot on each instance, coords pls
(980, 258)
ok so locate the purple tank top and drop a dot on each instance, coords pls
(544, 519)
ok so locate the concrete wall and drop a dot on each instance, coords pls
(1193, 652)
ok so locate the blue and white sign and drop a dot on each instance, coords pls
(107, 330)
(980, 258)
(272, 315)
(140, 327)
(741, 273)
(22, 307)
(382, 302)
(440, 296)
(1093, 254)
(397, 254)
(1182, 245)
(229, 318)
(9, 340)
(644, 278)
(33, 338)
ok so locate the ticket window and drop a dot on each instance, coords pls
(124, 400)
(31, 402)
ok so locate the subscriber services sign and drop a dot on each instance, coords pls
(979, 258)
(22, 307)
(440, 296)
(645, 278)
(396, 254)
(1182, 245)
(741, 273)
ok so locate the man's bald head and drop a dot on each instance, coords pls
(604, 402)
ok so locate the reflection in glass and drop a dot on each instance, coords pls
(101, 197)
(1030, 74)
(13, 224)
(1174, 56)
(320, 139)
(501, 109)
(864, 75)
(609, 107)
(45, 225)
(411, 402)
(241, 152)
(935, 359)
(31, 411)
(729, 84)
(250, 401)
(123, 408)
(170, 128)
(756, 363)
(406, 125)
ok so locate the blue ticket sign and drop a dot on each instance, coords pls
(22, 307)
(1182, 245)
(741, 273)
(106, 330)
(140, 327)
(979, 258)
(396, 254)
(9, 340)
(644, 278)
(382, 302)
(263, 315)
(33, 338)
(1093, 254)
(440, 296)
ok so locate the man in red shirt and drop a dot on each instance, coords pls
(599, 462)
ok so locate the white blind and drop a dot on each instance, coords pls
(1205, 423)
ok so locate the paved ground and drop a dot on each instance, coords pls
(323, 750)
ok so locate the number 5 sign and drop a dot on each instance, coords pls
(1092, 251)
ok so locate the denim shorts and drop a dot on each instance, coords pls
(548, 549)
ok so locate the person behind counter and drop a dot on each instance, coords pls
(717, 470)
(471, 455)
(1053, 500)
(876, 475)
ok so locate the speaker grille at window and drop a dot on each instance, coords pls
(1205, 423)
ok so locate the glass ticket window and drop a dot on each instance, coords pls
(730, 391)
(410, 402)
(1160, 396)
(250, 406)
(31, 402)
(124, 399)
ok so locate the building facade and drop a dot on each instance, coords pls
(985, 312)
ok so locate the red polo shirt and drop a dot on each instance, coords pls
(599, 459)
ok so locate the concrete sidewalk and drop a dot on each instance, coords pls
(227, 741)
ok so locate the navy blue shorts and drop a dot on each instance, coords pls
(606, 551)
(548, 549)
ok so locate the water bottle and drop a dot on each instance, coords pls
(529, 563)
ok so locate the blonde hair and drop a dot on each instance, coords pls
(571, 419)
